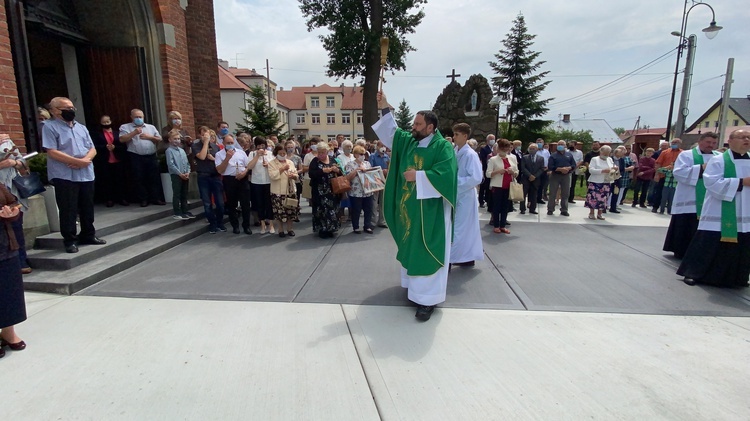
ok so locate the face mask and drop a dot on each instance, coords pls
(107, 126)
(223, 132)
(518, 148)
(539, 145)
(347, 150)
(229, 147)
(330, 153)
(290, 150)
(674, 146)
(382, 150)
(175, 142)
(361, 159)
(68, 115)
(281, 158)
(176, 122)
(138, 121)
(560, 148)
(492, 142)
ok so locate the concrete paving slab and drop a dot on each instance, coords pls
(483, 364)
(134, 359)
(577, 269)
(362, 269)
(37, 302)
(224, 266)
(579, 215)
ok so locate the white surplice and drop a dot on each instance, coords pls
(687, 174)
(424, 290)
(719, 189)
(467, 240)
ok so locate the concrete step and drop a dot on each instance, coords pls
(58, 259)
(93, 270)
(116, 219)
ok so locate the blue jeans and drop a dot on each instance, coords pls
(211, 187)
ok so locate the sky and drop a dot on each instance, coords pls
(586, 44)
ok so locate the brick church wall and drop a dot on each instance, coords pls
(10, 110)
(204, 75)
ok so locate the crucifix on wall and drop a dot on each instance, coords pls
(453, 75)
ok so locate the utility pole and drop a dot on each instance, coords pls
(268, 83)
(725, 100)
(686, 82)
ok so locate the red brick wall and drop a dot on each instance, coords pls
(204, 74)
(175, 63)
(10, 110)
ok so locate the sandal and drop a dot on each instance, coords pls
(600, 217)
(592, 216)
(505, 230)
(497, 231)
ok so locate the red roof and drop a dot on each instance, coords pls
(228, 81)
(244, 72)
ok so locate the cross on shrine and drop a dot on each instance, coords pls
(453, 75)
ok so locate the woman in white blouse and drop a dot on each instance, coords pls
(260, 184)
(599, 183)
(502, 169)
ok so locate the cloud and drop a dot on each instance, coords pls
(585, 37)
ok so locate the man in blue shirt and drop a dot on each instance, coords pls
(379, 159)
(70, 152)
(560, 165)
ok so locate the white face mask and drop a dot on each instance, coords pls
(382, 150)
(281, 158)
(492, 142)
(361, 159)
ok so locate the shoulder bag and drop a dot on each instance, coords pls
(29, 184)
(290, 201)
(516, 191)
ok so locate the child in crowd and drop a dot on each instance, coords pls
(179, 172)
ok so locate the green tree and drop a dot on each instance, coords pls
(619, 130)
(516, 69)
(551, 134)
(353, 44)
(403, 116)
(260, 119)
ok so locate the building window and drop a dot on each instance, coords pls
(331, 137)
(736, 122)
(316, 119)
(360, 136)
(330, 118)
(300, 119)
(346, 119)
(705, 124)
(359, 118)
(716, 123)
(314, 102)
(330, 102)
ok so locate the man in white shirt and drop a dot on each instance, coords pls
(544, 181)
(142, 139)
(232, 162)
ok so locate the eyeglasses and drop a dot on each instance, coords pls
(745, 137)
(67, 109)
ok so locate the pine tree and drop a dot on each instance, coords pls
(403, 116)
(260, 118)
(515, 68)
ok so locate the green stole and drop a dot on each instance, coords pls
(700, 187)
(418, 226)
(729, 209)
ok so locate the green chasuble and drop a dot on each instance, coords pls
(418, 226)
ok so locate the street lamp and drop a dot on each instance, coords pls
(711, 31)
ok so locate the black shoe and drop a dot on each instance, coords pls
(158, 202)
(465, 264)
(424, 313)
(235, 230)
(144, 204)
(222, 228)
(689, 281)
(72, 248)
(550, 213)
(523, 212)
(541, 202)
(614, 211)
(124, 203)
(642, 206)
(248, 232)
(533, 212)
(507, 223)
(633, 205)
(564, 213)
(654, 211)
(110, 204)
(571, 201)
(282, 234)
(93, 240)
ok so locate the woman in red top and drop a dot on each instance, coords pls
(646, 170)
(109, 162)
(501, 170)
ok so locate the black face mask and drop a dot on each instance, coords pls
(107, 126)
(68, 115)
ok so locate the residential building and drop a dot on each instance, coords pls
(324, 111)
(235, 86)
(599, 129)
(642, 139)
(738, 117)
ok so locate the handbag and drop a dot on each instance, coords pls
(28, 185)
(306, 189)
(340, 185)
(516, 191)
(290, 201)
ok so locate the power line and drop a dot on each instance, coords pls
(615, 93)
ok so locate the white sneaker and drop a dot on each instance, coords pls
(271, 230)
(180, 217)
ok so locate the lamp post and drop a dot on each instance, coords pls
(711, 31)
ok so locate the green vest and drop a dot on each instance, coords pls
(418, 226)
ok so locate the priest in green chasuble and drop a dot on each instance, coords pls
(419, 198)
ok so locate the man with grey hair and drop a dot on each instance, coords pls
(142, 139)
(560, 166)
(70, 154)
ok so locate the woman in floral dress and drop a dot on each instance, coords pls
(600, 185)
(324, 168)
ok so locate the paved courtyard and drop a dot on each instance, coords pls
(566, 318)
